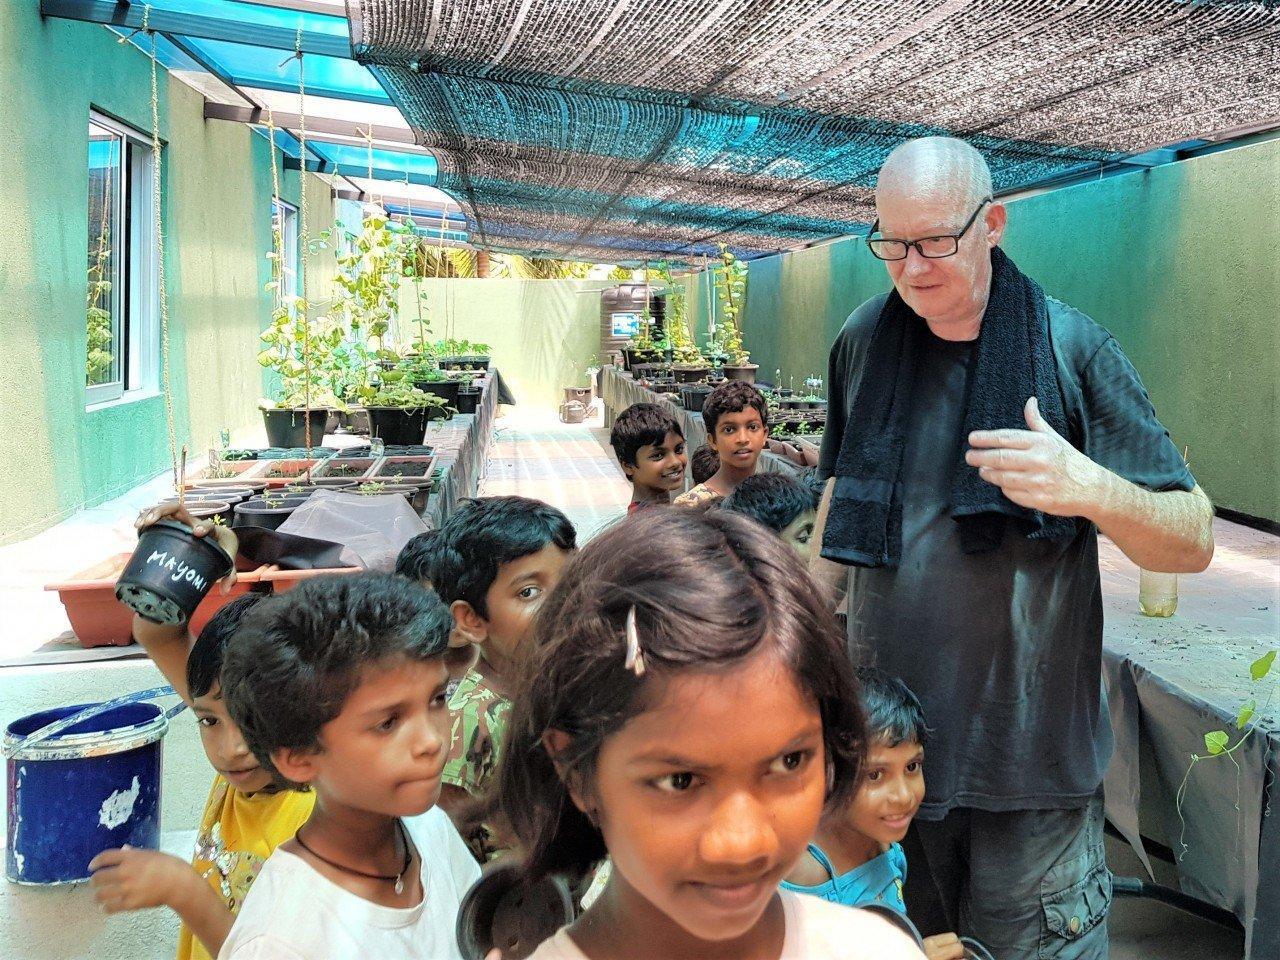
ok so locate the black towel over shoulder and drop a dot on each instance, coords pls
(1014, 362)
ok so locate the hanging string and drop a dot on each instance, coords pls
(304, 235)
(157, 225)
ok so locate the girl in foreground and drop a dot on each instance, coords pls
(689, 711)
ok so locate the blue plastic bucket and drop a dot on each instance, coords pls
(90, 787)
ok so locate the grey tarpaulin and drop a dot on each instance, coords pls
(618, 391)
(372, 530)
(1169, 682)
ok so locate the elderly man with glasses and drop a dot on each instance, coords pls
(979, 435)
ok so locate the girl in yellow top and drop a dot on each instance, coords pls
(246, 816)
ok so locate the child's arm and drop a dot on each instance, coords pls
(130, 879)
(167, 645)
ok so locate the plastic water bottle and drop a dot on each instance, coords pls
(1157, 593)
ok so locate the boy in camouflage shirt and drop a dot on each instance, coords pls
(493, 562)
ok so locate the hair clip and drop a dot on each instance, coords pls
(635, 658)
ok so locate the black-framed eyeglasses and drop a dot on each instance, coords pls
(933, 248)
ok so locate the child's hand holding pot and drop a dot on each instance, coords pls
(224, 536)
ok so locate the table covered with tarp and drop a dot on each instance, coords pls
(462, 449)
(1171, 681)
(619, 390)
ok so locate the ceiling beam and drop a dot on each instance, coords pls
(355, 170)
(129, 15)
(338, 128)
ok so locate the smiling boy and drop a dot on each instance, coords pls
(650, 448)
(737, 421)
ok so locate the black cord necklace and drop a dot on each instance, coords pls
(397, 877)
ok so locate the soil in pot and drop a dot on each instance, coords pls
(409, 467)
(746, 372)
(288, 428)
(468, 401)
(266, 512)
(345, 468)
(170, 572)
(398, 425)
(204, 508)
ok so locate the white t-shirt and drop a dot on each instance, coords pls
(295, 913)
(815, 930)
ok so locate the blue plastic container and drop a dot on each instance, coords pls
(92, 787)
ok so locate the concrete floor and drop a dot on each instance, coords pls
(569, 466)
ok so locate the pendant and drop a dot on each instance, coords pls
(400, 884)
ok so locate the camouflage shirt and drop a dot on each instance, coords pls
(479, 729)
(700, 497)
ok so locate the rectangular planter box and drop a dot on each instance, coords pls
(409, 469)
(278, 473)
(283, 580)
(98, 619)
(349, 468)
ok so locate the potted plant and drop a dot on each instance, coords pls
(468, 395)
(269, 510)
(300, 353)
(688, 363)
(731, 291)
(399, 411)
(423, 371)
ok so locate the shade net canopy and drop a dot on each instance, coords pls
(653, 127)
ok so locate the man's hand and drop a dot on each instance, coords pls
(132, 879)
(945, 946)
(1036, 468)
(223, 535)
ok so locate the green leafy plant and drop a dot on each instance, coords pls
(683, 349)
(461, 348)
(99, 359)
(804, 429)
(731, 292)
(395, 390)
(372, 487)
(301, 353)
(1218, 743)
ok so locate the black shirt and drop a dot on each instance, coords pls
(1004, 649)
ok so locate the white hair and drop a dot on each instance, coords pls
(938, 167)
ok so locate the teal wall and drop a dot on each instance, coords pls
(217, 194)
(1179, 262)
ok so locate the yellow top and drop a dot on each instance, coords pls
(237, 834)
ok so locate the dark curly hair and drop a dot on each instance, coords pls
(204, 663)
(641, 425)
(414, 559)
(298, 656)
(705, 463)
(481, 535)
(733, 396)
(751, 594)
(773, 499)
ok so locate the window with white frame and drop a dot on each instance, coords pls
(121, 311)
(284, 220)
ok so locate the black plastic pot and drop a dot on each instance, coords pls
(327, 483)
(170, 572)
(694, 397)
(205, 508)
(745, 372)
(398, 425)
(447, 390)
(689, 374)
(288, 428)
(229, 494)
(260, 512)
(503, 910)
(468, 400)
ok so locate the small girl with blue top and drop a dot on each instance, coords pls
(856, 858)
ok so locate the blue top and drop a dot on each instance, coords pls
(879, 880)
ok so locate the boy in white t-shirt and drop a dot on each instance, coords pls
(339, 685)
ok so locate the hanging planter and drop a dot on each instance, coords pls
(170, 572)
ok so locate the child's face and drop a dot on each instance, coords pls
(891, 791)
(517, 594)
(385, 751)
(799, 531)
(225, 747)
(660, 467)
(707, 799)
(739, 438)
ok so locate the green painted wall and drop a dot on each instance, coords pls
(1178, 262)
(217, 195)
(544, 333)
